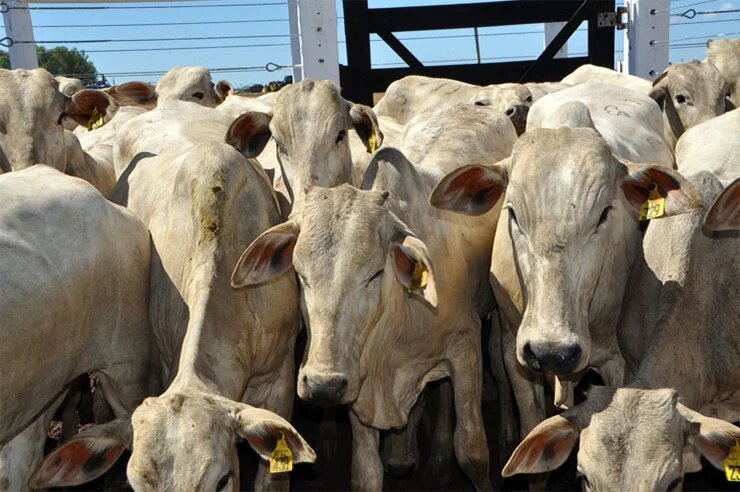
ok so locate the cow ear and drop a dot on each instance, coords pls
(662, 96)
(249, 133)
(651, 181)
(471, 190)
(262, 429)
(713, 438)
(544, 449)
(223, 89)
(724, 214)
(85, 457)
(91, 108)
(729, 105)
(134, 93)
(412, 265)
(366, 125)
(269, 256)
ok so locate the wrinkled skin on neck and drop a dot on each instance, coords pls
(200, 427)
(567, 223)
(309, 124)
(343, 263)
(631, 440)
(31, 115)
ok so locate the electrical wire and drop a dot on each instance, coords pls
(4, 7)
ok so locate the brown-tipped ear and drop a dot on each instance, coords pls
(544, 449)
(134, 93)
(413, 266)
(470, 190)
(713, 438)
(90, 107)
(249, 133)
(641, 179)
(85, 457)
(223, 89)
(662, 96)
(269, 256)
(724, 214)
(262, 429)
(366, 125)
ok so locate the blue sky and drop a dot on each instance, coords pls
(499, 42)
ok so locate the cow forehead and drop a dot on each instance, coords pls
(703, 78)
(308, 103)
(29, 90)
(340, 224)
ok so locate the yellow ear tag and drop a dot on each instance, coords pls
(96, 120)
(654, 207)
(281, 460)
(418, 278)
(372, 142)
(732, 464)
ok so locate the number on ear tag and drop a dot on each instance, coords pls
(732, 464)
(281, 459)
(654, 207)
(418, 278)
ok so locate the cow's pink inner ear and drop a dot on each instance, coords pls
(471, 190)
(79, 461)
(267, 257)
(249, 133)
(680, 196)
(86, 103)
(544, 449)
(135, 92)
(724, 214)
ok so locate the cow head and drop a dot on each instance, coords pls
(630, 439)
(689, 93)
(568, 204)
(356, 262)
(309, 123)
(723, 54)
(511, 99)
(32, 111)
(188, 84)
(178, 442)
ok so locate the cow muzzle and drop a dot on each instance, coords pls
(322, 388)
(518, 116)
(557, 359)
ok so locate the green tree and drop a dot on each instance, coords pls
(59, 61)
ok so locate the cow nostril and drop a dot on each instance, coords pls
(511, 112)
(530, 358)
(305, 379)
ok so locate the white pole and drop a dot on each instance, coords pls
(551, 30)
(295, 41)
(645, 40)
(317, 31)
(18, 27)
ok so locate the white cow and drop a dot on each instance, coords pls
(202, 205)
(561, 255)
(415, 94)
(588, 72)
(32, 111)
(725, 55)
(74, 299)
(630, 123)
(191, 84)
(722, 157)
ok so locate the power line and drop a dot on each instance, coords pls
(4, 7)
(159, 24)
(146, 40)
(185, 48)
(678, 24)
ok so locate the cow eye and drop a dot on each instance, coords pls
(481, 103)
(604, 216)
(223, 482)
(341, 135)
(680, 98)
(529, 99)
(198, 95)
(376, 275)
(674, 484)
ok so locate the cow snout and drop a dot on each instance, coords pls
(326, 389)
(562, 359)
(518, 116)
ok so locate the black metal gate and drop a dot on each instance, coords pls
(359, 80)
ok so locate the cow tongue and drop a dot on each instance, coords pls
(563, 393)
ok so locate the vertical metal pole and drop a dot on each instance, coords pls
(18, 27)
(317, 30)
(295, 40)
(648, 22)
(477, 44)
(551, 30)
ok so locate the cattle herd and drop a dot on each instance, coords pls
(173, 243)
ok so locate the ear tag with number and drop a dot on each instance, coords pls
(281, 459)
(418, 278)
(654, 207)
(732, 464)
(372, 142)
(96, 120)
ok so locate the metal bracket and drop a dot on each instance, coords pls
(623, 18)
(606, 19)
(7, 42)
